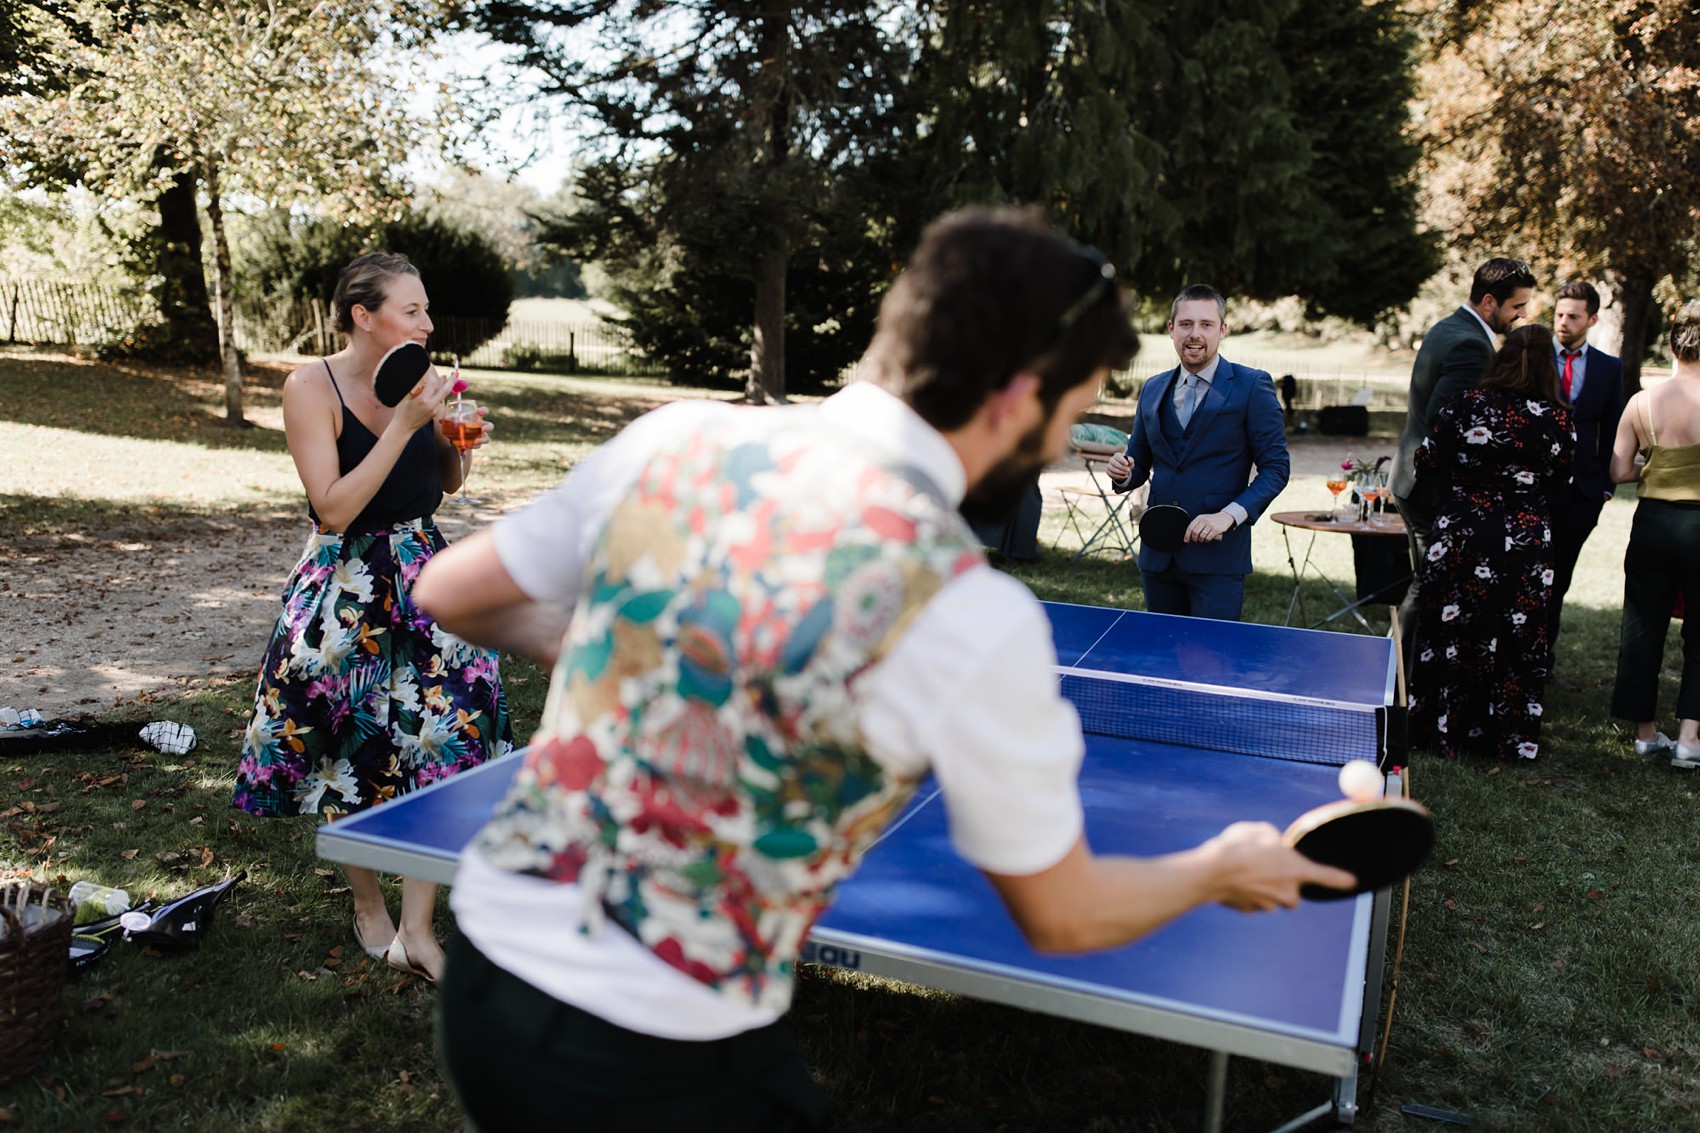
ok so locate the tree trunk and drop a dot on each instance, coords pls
(183, 300)
(226, 303)
(767, 350)
(1624, 320)
(767, 355)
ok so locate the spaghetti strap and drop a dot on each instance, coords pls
(1647, 413)
(334, 386)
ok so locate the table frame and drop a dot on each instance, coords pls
(1308, 521)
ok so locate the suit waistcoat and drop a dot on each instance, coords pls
(701, 772)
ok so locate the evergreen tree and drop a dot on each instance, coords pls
(1260, 148)
(732, 136)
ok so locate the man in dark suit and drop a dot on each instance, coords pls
(1200, 430)
(1592, 380)
(1454, 356)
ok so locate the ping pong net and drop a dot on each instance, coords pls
(1213, 717)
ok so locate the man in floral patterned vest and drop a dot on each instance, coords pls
(766, 626)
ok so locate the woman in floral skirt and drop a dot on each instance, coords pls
(361, 696)
(1481, 644)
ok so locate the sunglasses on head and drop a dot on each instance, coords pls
(1101, 283)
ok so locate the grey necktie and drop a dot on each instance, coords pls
(1189, 398)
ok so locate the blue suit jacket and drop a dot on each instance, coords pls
(1596, 414)
(1238, 425)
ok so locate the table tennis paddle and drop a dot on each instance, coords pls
(399, 371)
(1163, 527)
(1380, 841)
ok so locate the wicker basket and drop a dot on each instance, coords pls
(35, 943)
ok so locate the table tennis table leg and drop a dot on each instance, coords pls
(1343, 1108)
(1216, 1089)
(1348, 606)
(1298, 581)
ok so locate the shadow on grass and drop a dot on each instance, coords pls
(25, 517)
(277, 1020)
(187, 405)
(145, 402)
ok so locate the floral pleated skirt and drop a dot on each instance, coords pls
(361, 696)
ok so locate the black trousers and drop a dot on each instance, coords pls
(1573, 520)
(522, 1060)
(1663, 558)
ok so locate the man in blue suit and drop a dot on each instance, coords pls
(1593, 382)
(1201, 430)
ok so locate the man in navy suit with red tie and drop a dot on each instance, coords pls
(1201, 430)
(1592, 380)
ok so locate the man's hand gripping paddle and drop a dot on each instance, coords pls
(1163, 527)
(1379, 840)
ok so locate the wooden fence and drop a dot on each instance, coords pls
(68, 314)
(589, 348)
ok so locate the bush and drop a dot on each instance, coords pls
(294, 260)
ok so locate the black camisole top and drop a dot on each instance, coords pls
(414, 487)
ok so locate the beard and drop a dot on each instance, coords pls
(999, 492)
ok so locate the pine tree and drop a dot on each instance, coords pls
(732, 134)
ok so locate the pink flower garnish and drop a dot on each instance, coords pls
(459, 387)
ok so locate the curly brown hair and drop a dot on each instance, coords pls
(988, 293)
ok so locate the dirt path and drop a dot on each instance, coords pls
(94, 621)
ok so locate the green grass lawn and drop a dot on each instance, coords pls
(1548, 979)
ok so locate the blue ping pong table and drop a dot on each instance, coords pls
(1229, 721)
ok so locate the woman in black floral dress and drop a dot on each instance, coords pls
(1481, 645)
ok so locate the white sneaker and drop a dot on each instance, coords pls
(1656, 746)
(1685, 757)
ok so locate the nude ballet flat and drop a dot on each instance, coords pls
(399, 960)
(376, 951)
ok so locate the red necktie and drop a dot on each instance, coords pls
(1569, 363)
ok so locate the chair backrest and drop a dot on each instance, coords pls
(1097, 440)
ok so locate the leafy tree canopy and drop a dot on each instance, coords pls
(1572, 131)
(274, 101)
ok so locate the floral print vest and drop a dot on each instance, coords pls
(700, 771)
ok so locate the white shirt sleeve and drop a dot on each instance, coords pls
(545, 545)
(971, 688)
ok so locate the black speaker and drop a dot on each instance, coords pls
(1344, 420)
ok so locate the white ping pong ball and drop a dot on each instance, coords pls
(1360, 781)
